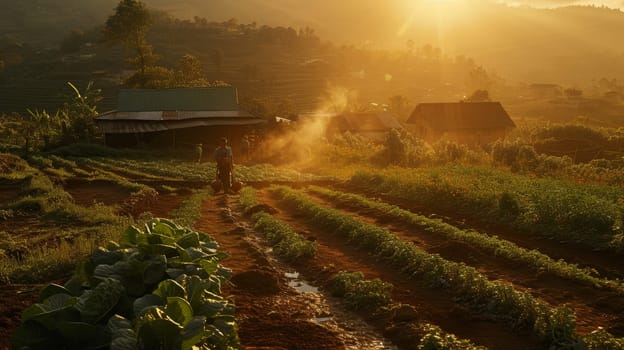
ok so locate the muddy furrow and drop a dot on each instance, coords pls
(435, 306)
(594, 307)
(270, 314)
(607, 263)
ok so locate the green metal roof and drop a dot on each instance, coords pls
(183, 99)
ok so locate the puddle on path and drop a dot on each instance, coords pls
(355, 332)
(298, 284)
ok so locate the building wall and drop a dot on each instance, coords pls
(472, 137)
(181, 138)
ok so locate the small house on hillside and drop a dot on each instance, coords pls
(176, 117)
(372, 125)
(473, 123)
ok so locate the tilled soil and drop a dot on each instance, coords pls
(606, 262)
(594, 307)
(433, 306)
(270, 313)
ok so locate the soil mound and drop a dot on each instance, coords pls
(257, 282)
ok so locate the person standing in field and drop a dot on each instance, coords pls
(223, 157)
(199, 150)
(245, 147)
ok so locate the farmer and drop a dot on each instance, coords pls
(223, 157)
(199, 149)
(245, 147)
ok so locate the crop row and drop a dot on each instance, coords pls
(591, 214)
(286, 243)
(193, 171)
(492, 244)
(373, 297)
(555, 325)
(123, 171)
(158, 288)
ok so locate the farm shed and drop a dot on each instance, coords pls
(176, 117)
(473, 123)
(372, 125)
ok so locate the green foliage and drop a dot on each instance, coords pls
(586, 213)
(571, 132)
(189, 73)
(286, 243)
(602, 340)
(360, 293)
(14, 168)
(131, 296)
(433, 338)
(395, 148)
(491, 244)
(73, 122)
(188, 213)
(247, 197)
(554, 325)
(85, 150)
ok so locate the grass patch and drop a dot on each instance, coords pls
(46, 263)
(189, 213)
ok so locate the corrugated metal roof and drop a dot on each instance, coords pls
(171, 115)
(462, 115)
(182, 99)
(140, 126)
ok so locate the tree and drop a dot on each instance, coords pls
(128, 26)
(479, 96)
(190, 73)
(479, 79)
(79, 112)
(394, 147)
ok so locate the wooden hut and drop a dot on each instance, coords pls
(473, 123)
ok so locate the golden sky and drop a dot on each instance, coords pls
(609, 3)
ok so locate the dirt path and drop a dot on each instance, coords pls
(608, 264)
(594, 307)
(434, 306)
(271, 314)
(13, 300)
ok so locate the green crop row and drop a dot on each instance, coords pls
(374, 296)
(591, 214)
(193, 171)
(491, 244)
(286, 243)
(123, 171)
(159, 288)
(189, 213)
(556, 325)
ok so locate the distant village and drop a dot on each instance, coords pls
(183, 117)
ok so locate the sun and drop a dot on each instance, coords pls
(441, 12)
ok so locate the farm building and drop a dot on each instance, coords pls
(473, 123)
(176, 117)
(372, 125)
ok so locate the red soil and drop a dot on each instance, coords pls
(434, 306)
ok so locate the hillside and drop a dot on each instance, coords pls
(520, 43)
(294, 70)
